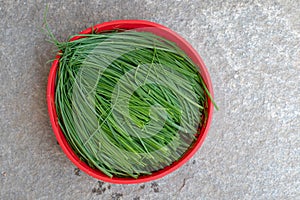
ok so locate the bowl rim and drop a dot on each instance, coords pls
(158, 30)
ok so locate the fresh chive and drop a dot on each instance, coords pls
(129, 103)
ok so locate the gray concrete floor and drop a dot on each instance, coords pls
(252, 51)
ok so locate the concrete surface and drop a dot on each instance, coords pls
(252, 50)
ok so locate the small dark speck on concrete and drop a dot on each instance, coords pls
(3, 173)
(116, 196)
(108, 187)
(154, 186)
(100, 189)
(194, 161)
(142, 186)
(77, 171)
(100, 184)
(136, 198)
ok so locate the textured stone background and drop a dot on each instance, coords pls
(252, 51)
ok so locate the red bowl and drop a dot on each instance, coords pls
(142, 26)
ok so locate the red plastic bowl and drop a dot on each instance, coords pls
(158, 30)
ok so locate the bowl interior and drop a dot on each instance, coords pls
(138, 25)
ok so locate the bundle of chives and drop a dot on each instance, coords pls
(129, 103)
